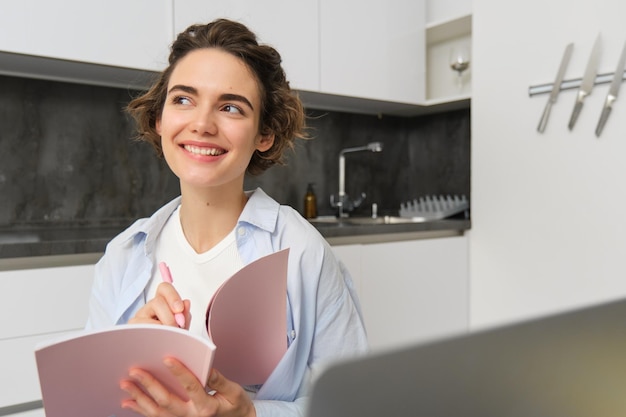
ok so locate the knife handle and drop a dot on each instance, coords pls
(544, 117)
(603, 118)
(577, 107)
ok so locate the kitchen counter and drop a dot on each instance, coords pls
(79, 241)
(344, 234)
(49, 241)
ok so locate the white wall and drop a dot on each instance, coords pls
(548, 210)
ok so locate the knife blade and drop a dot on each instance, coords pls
(556, 87)
(586, 85)
(613, 92)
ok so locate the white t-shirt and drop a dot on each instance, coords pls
(196, 276)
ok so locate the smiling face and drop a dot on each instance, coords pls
(209, 126)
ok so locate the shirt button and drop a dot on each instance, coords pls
(241, 231)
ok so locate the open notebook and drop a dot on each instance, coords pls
(79, 374)
(567, 365)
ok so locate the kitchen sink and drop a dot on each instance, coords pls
(364, 221)
(382, 220)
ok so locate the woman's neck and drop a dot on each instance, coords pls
(207, 216)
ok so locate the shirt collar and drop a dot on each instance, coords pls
(261, 211)
(152, 226)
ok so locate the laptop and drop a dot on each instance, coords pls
(568, 365)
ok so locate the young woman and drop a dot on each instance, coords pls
(221, 109)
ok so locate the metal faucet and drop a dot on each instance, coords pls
(344, 203)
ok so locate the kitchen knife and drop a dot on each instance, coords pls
(556, 87)
(613, 92)
(586, 85)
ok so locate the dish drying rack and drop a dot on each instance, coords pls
(434, 207)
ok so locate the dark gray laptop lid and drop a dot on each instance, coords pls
(568, 365)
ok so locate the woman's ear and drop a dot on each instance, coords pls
(157, 126)
(264, 142)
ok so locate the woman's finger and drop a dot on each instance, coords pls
(159, 311)
(169, 293)
(139, 402)
(176, 304)
(149, 396)
(194, 388)
(155, 311)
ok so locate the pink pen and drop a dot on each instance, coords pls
(167, 277)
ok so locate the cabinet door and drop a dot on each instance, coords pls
(415, 290)
(40, 304)
(290, 27)
(32, 413)
(446, 10)
(132, 34)
(373, 49)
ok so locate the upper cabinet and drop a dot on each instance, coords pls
(439, 11)
(378, 56)
(373, 49)
(132, 34)
(362, 56)
(448, 52)
(291, 27)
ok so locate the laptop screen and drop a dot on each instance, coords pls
(567, 365)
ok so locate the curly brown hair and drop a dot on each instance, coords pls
(282, 112)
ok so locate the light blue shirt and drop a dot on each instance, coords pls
(324, 320)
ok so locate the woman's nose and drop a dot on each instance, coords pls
(204, 122)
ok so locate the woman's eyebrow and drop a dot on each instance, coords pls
(224, 97)
(184, 88)
(236, 97)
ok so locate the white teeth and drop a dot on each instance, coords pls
(203, 151)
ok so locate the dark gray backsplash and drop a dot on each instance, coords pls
(421, 156)
(67, 157)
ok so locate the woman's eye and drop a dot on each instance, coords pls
(181, 100)
(229, 108)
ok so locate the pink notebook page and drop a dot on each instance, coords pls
(247, 320)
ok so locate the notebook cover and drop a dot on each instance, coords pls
(247, 320)
(79, 375)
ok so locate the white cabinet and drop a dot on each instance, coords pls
(373, 49)
(438, 11)
(38, 305)
(31, 413)
(410, 291)
(290, 27)
(132, 34)
(448, 29)
(548, 236)
(379, 55)
(442, 39)
(361, 56)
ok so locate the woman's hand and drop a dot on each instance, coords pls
(151, 399)
(163, 307)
